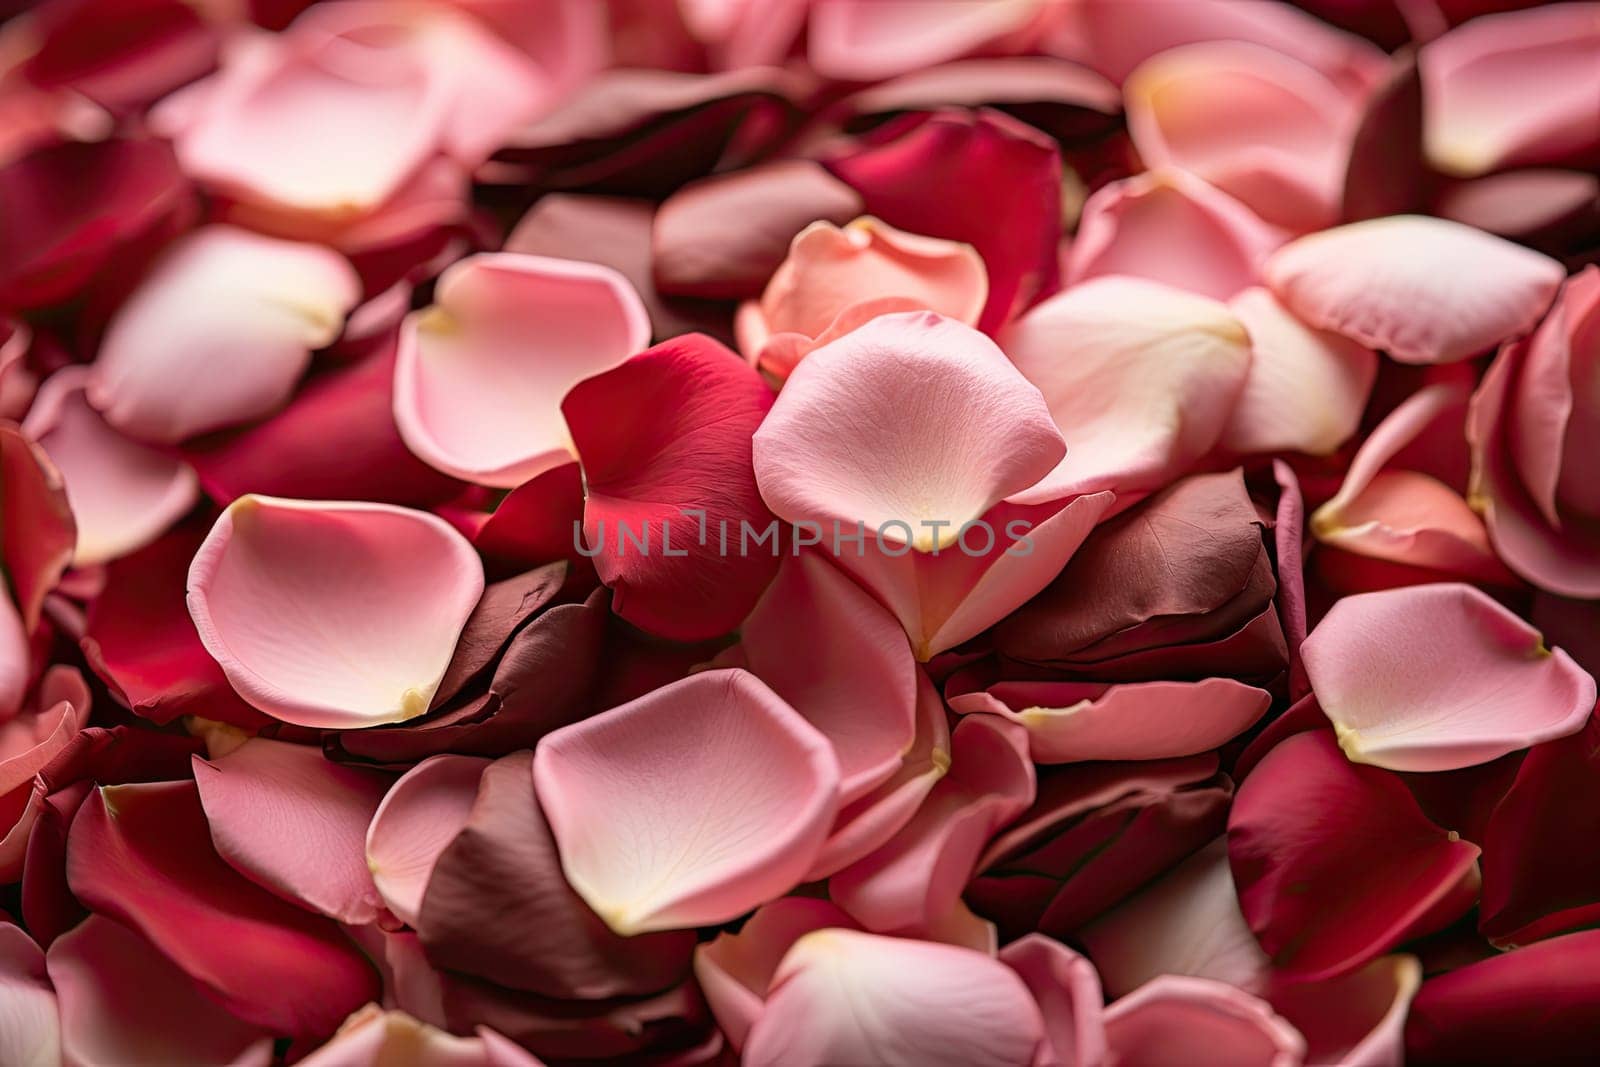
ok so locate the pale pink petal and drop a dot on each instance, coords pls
(871, 820)
(419, 816)
(231, 309)
(1140, 378)
(373, 1037)
(1178, 1021)
(1067, 990)
(123, 1002)
(28, 743)
(1255, 123)
(868, 429)
(868, 40)
(1169, 226)
(997, 564)
(1424, 290)
(855, 679)
(30, 1033)
(834, 279)
(914, 880)
(480, 375)
(1072, 721)
(1187, 922)
(1357, 1019)
(123, 494)
(285, 817)
(1514, 89)
(1306, 388)
(735, 970)
(1435, 677)
(654, 831)
(841, 996)
(307, 124)
(331, 614)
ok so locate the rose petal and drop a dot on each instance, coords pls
(1070, 721)
(861, 40)
(1329, 884)
(413, 825)
(289, 820)
(240, 310)
(123, 494)
(1067, 990)
(1513, 89)
(1435, 677)
(141, 854)
(1253, 122)
(1305, 389)
(123, 1002)
(480, 375)
(857, 682)
(1423, 290)
(31, 1034)
(655, 770)
(1357, 1020)
(1168, 226)
(735, 971)
(37, 530)
(873, 443)
(373, 1036)
(1176, 1021)
(1140, 379)
(841, 996)
(287, 595)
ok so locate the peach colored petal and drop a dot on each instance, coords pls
(332, 614)
(123, 494)
(232, 309)
(1140, 378)
(1255, 123)
(655, 833)
(419, 816)
(1305, 389)
(869, 428)
(372, 1037)
(1435, 677)
(480, 375)
(1424, 290)
(841, 996)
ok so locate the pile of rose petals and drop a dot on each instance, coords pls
(804, 533)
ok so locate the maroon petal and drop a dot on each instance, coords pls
(1335, 863)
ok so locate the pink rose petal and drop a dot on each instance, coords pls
(1435, 677)
(1176, 1021)
(656, 770)
(240, 311)
(1423, 290)
(480, 375)
(288, 595)
(416, 821)
(30, 1031)
(841, 996)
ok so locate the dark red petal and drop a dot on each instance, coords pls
(1335, 863)
(662, 436)
(37, 532)
(142, 854)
